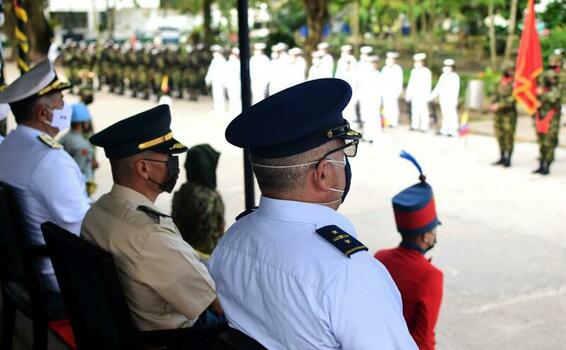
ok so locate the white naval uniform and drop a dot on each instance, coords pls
(214, 78)
(279, 75)
(418, 93)
(287, 287)
(259, 75)
(447, 90)
(327, 66)
(392, 77)
(233, 86)
(370, 87)
(315, 72)
(297, 69)
(48, 185)
(347, 71)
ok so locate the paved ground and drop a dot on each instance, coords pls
(500, 245)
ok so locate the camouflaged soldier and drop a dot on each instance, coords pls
(547, 119)
(192, 75)
(505, 122)
(198, 210)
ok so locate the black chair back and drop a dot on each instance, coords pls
(16, 266)
(95, 303)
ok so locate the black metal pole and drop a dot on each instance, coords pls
(246, 93)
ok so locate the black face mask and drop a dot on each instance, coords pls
(172, 165)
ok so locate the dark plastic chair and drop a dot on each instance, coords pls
(20, 279)
(232, 339)
(96, 304)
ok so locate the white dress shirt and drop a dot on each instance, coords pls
(287, 287)
(48, 185)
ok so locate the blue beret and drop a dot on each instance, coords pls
(146, 131)
(294, 120)
(80, 113)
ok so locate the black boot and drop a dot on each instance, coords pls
(507, 160)
(545, 168)
(539, 170)
(501, 159)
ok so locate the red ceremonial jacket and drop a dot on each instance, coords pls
(420, 285)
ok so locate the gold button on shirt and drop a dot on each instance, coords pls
(165, 283)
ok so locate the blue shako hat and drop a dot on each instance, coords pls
(294, 120)
(414, 207)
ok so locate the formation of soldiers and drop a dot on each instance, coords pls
(551, 93)
(145, 70)
(376, 89)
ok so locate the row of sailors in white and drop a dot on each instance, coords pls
(375, 90)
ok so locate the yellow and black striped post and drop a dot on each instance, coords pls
(21, 37)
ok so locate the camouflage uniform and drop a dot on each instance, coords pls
(198, 212)
(82, 152)
(548, 113)
(505, 121)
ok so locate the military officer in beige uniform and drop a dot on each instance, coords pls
(165, 283)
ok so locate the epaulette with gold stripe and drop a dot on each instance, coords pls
(49, 141)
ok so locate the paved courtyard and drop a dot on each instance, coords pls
(501, 244)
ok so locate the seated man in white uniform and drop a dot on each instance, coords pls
(47, 182)
(292, 274)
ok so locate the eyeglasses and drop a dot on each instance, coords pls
(350, 149)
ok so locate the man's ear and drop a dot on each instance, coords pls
(141, 168)
(322, 175)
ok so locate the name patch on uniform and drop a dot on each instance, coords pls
(49, 141)
(154, 214)
(341, 240)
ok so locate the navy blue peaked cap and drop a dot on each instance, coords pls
(146, 131)
(294, 120)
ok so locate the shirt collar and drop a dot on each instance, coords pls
(412, 246)
(294, 211)
(28, 131)
(131, 196)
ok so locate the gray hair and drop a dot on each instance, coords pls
(281, 176)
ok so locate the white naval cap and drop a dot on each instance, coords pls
(216, 48)
(373, 58)
(323, 46)
(259, 46)
(559, 51)
(295, 51)
(448, 62)
(38, 81)
(419, 56)
(346, 48)
(392, 54)
(366, 49)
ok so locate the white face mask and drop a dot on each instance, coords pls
(62, 117)
(341, 164)
(419, 64)
(446, 69)
(389, 61)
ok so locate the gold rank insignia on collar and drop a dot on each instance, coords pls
(49, 141)
(341, 240)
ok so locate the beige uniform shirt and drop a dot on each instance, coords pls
(164, 282)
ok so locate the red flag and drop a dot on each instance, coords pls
(529, 63)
